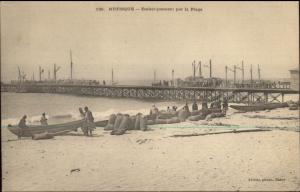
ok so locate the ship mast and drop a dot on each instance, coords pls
(112, 76)
(258, 72)
(173, 77)
(200, 69)
(55, 70)
(194, 69)
(71, 64)
(210, 69)
(19, 76)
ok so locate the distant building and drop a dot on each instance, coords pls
(294, 78)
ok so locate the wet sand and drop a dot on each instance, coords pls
(153, 160)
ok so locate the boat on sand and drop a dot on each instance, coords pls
(55, 128)
(259, 106)
(101, 123)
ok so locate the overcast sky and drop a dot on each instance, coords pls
(37, 34)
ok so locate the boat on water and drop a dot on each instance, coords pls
(36, 129)
(259, 106)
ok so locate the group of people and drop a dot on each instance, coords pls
(22, 123)
(213, 105)
(174, 108)
(87, 127)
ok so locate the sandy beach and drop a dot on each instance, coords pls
(153, 160)
(197, 96)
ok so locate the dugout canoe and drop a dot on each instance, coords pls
(55, 128)
(102, 123)
(259, 107)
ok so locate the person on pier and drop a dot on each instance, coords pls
(22, 125)
(154, 112)
(44, 119)
(89, 122)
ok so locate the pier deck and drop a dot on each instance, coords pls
(209, 94)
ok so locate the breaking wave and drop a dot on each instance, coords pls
(70, 116)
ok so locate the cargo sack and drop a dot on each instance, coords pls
(197, 117)
(118, 121)
(109, 127)
(131, 123)
(40, 136)
(166, 115)
(160, 121)
(137, 122)
(194, 113)
(112, 119)
(150, 122)
(214, 115)
(183, 115)
(119, 132)
(173, 120)
(124, 123)
(143, 123)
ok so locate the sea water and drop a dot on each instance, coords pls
(61, 108)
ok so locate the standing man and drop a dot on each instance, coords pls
(44, 119)
(82, 115)
(225, 105)
(186, 107)
(22, 125)
(204, 104)
(195, 106)
(89, 120)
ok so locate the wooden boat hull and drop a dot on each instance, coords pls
(102, 123)
(36, 129)
(259, 107)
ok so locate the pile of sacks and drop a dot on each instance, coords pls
(163, 117)
(205, 113)
(120, 123)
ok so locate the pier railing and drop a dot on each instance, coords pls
(233, 94)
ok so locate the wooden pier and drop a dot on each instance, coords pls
(232, 94)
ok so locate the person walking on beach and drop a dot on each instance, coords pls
(22, 125)
(168, 109)
(154, 112)
(218, 104)
(212, 105)
(89, 120)
(44, 119)
(83, 127)
(186, 107)
(195, 106)
(225, 105)
(174, 108)
(204, 105)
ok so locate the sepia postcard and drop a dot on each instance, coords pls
(150, 96)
